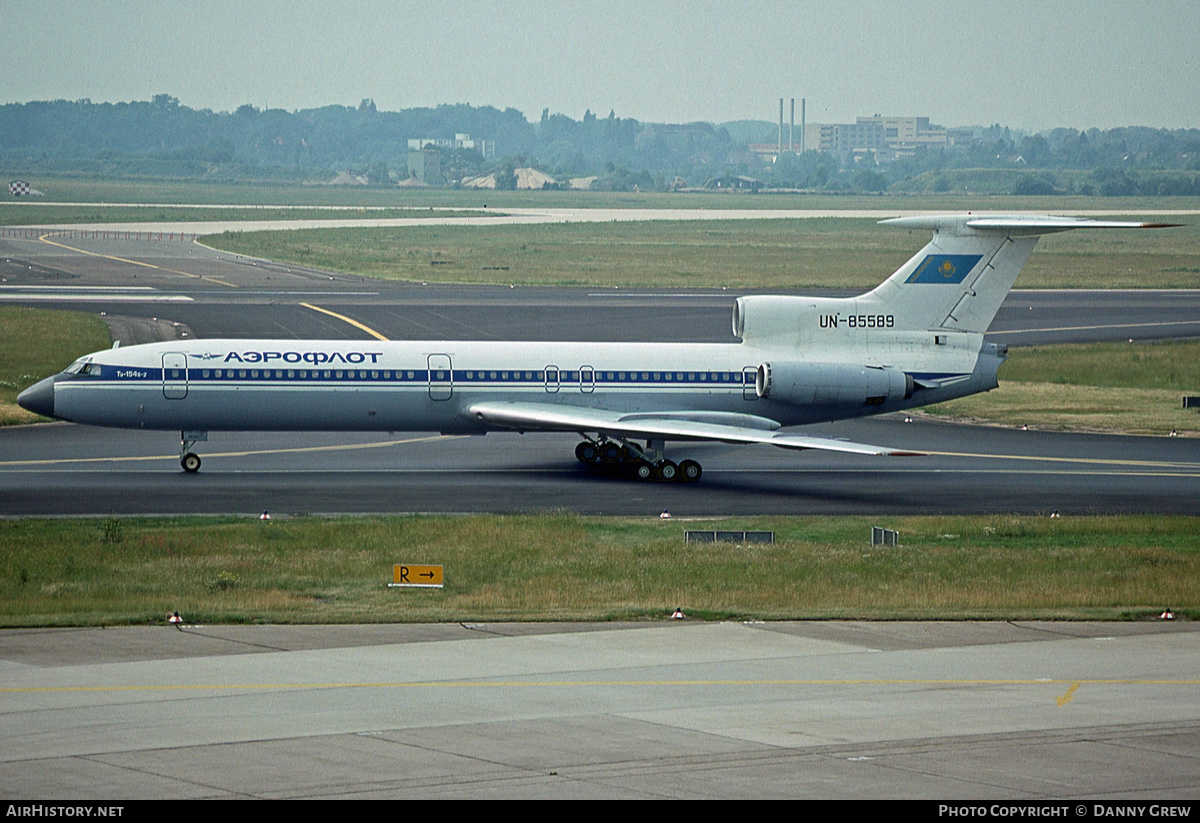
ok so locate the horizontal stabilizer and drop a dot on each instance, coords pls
(1014, 224)
(960, 279)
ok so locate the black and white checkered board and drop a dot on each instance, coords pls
(18, 187)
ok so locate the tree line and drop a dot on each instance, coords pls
(163, 138)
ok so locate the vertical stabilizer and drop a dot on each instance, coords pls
(958, 281)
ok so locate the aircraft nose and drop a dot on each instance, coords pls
(39, 398)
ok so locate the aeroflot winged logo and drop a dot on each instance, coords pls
(944, 268)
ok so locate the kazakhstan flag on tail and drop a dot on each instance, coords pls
(944, 268)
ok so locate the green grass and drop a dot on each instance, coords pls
(1173, 365)
(744, 254)
(36, 343)
(1135, 388)
(566, 567)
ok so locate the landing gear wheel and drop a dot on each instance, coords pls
(586, 452)
(610, 453)
(643, 470)
(190, 463)
(666, 470)
(690, 471)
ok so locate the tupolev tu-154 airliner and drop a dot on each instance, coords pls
(915, 339)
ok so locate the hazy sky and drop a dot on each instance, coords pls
(1029, 64)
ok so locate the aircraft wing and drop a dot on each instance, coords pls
(656, 426)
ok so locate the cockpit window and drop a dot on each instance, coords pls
(81, 366)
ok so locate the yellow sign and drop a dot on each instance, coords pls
(407, 574)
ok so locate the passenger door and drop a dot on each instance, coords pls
(441, 377)
(174, 376)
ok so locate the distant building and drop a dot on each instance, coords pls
(766, 152)
(486, 148)
(347, 179)
(425, 165)
(962, 136)
(882, 139)
(905, 135)
(734, 182)
(527, 178)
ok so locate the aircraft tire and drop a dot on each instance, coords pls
(690, 471)
(190, 463)
(586, 452)
(666, 470)
(643, 470)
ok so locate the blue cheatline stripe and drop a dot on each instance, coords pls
(944, 268)
(466, 377)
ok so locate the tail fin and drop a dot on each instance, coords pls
(958, 281)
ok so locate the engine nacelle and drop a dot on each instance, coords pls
(766, 315)
(829, 384)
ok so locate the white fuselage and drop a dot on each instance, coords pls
(215, 385)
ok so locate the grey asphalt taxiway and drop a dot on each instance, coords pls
(1039, 711)
(61, 469)
(156, 288)
(971, 711)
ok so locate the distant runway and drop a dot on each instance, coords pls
(166, 288)
(511, 216)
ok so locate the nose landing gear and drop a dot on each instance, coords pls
(189, 460)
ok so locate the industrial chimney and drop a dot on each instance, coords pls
(780, 147)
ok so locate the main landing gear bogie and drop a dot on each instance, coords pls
(643, 464)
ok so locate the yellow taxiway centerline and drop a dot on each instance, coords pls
(1069, 696)
(1165, 468)
(1146, 464)
(346, 319)
(248, 453)
(44, 239)
(1093, 328)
